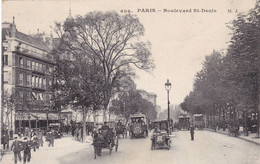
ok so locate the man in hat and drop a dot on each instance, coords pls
(192, 131)
(105, 127)
(50, 137)
(40, 136)
(27, 150)
(16, 148)
(5, 140)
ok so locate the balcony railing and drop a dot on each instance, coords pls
(42, 55)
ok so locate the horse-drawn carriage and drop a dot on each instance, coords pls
(161, 137)
(104, 139)
(121, 130)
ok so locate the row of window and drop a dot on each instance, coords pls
(34, 81)
(34, 96)
(34, 65)
(32, 49)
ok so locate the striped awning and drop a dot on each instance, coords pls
(36, 116)
(53, 116)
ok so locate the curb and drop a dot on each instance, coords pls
(249, 141)
(242, 138)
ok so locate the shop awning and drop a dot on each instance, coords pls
(36, 116)
(53, 116)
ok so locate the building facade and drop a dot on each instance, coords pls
(151, 97)
(27, 76)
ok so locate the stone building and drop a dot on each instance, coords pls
(151, 97)
(26, 75)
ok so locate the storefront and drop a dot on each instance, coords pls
(35, 120)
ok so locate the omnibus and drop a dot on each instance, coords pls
(184, 122)
(199, 121)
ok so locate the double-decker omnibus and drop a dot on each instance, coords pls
(199, 121)
(184, 122)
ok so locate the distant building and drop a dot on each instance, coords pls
(151, 97)
(27, 66)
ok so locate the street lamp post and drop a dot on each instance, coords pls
(168, 86)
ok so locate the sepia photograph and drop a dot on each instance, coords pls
(130, 82)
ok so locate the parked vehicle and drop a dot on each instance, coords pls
(138, 126)
(160, 137)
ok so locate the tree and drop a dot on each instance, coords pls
(77, 83)
(109, 41)
(244, 52)
(95, 53)
(231, 81)
(131, 102)
(8, 108)
(175, 112)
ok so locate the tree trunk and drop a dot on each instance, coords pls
(104, 115)
(88, 116)
(84, 125)
(30, 125)
(219, 115)
(258, 78)
(224, 118)
(94, 118)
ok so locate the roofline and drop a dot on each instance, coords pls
(14, 38)
(36, 58)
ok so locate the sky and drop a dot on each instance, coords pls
(180, 40)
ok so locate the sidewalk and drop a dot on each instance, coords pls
(250, 138)
(62, 146)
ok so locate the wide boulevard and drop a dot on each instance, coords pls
(208, 147)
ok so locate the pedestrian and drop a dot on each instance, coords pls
(52, 136)
(35, 142)
(76, 133)
(40, 137)
(192, 132)
(5, 140)
(81, 134)
(20, 135)
(27, 150)
(73, 130)
(48, 138)
(17, 147)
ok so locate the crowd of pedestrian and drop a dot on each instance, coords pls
(77, 133)
(25, 141)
